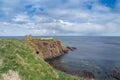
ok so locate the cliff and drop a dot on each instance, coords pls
(47, 48)
(19, 62)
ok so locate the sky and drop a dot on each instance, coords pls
(60, 17)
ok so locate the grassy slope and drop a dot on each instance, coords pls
(17, 56)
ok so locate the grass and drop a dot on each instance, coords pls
(17, 56)
(45, 39)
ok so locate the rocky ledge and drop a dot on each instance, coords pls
(48, 48)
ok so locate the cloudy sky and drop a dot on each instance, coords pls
(60, 17)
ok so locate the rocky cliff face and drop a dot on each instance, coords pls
(48, 48)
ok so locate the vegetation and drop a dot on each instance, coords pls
(17, 60)
(45, 39)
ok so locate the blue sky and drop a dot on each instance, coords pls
(60, 17)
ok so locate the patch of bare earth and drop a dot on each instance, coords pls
(11, 75)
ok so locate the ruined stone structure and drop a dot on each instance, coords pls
(28, 37)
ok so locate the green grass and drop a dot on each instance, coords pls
(17, 56)
(40, 39)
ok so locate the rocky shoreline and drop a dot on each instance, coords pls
(113, 74)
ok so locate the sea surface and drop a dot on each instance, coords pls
(95, 57)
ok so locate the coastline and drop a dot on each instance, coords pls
(19, 58)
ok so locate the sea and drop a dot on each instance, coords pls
(96, 57)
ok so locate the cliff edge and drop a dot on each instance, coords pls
(47, 48)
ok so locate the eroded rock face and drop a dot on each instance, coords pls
(48, 49)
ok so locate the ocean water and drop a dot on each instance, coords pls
(95, 57)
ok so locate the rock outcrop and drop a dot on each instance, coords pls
(47, 48)
(71, 48)
(116, 74)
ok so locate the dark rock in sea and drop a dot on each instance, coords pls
(88, 74)
(71, 48)
(116, 74)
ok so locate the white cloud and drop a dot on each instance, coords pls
(21, 18)
(49, 26)
(70, 18)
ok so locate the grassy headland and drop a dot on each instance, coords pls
(17, 60)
